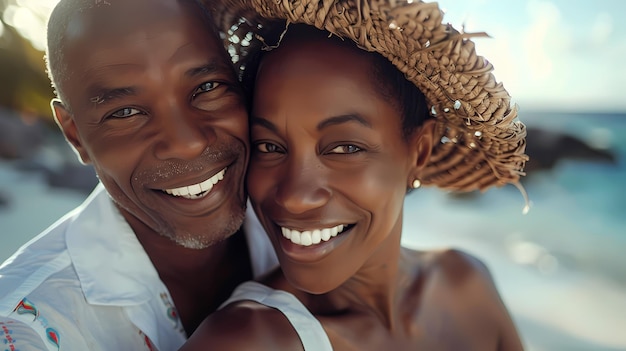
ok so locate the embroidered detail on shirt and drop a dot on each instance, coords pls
(27, 307)
(53, 336)
(8, 339)
(40, 323)
(147, 342)
(172, 313)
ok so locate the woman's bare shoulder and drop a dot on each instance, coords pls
(459, 284)
(244, 325)
(453, 265)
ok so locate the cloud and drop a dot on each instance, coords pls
(550, 55)
(563, 69)
(602, 28)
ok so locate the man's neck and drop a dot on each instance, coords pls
(199, 280)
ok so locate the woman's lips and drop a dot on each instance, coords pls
(313, 236)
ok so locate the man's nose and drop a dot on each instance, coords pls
(303, 187)
(182, 136)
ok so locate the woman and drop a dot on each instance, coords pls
(339, 137)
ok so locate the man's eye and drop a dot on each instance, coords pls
(345, 149)
(204, 87)
(125, 112)
(267, 147)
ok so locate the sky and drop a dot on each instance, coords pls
(562, 55)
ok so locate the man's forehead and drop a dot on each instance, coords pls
(114, 43)
(122, 32)
(115, 17)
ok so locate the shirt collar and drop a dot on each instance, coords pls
(112, 266)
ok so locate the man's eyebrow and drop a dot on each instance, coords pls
(343, 119)
(100, 95)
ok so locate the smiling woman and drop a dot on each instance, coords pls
(343, 163)
(349, 114)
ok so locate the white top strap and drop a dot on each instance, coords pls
(309, 329)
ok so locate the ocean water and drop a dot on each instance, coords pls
(578, 208)
(560, 268)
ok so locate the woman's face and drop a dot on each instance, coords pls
(329, 166)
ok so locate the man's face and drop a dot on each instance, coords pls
(153, 104)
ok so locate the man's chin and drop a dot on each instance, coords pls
(213, 235)
(195, 243)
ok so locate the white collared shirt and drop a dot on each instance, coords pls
(86, 283)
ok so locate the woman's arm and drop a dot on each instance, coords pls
(244, 325)
(508, 337)
(464, 287)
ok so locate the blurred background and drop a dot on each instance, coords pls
(559, 268)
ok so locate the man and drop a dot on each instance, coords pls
(148, 96)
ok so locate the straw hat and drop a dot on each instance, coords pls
(479, 142)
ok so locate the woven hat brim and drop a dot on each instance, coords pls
(479, 142)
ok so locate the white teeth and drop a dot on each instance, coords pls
(326, 234)
(286, 232)
(316, 236)
(311, 237)
(197, 191)
(194, 189)
(295, 237)
(205, 186)
(305, 238)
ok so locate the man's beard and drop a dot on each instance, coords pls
(208, 238)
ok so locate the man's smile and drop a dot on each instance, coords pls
(198, 190)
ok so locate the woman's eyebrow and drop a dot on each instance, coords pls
(208, 68)
(331, 121)
(353, 117)
(260, 121)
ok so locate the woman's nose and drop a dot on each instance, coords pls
(302, 188)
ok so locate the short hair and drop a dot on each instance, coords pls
(60, 18)
(55, 46)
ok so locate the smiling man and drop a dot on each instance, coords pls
(148, 96)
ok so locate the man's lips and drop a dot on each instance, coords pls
(314, 236)
(198, 190)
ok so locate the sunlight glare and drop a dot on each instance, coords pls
(29, 18)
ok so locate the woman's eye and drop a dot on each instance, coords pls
(125, 112)
(267, 147)
(345, 149)
(204, 87)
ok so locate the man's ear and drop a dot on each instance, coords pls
(66, 123)
(422, 143)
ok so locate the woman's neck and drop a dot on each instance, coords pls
(376, 289)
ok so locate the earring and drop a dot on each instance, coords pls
(416, 184)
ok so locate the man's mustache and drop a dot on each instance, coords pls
(216, 153)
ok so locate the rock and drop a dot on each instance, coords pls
(547, 148)
(19, 140)
(73, 176)
(4, 200)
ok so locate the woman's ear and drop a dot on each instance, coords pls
(66, 123)
(422, 143)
